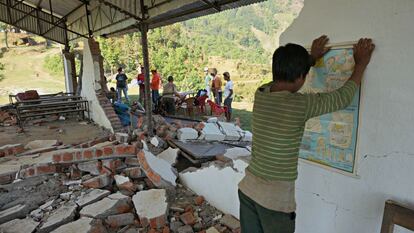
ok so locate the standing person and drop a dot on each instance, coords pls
(169, 94)
(141, 84)
(155, 87)
(217, 84)
(207, 81)
(228, 95)
(121, 85)
(267, 192)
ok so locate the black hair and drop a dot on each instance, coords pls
(290, 62)
(226, 74)
(170, 78)
(120, 69)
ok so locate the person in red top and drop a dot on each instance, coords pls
(155, 86)
(141, 84)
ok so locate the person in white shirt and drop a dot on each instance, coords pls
(228, 94)
(207, 81)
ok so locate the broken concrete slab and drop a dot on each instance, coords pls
(82, 225)
(26, 225)
(247, 136)
(151, 207)
(170, 155)
(18, 211)
(92, 167)
(38, 144)
(213, 179)
(62, 215)
(231, 131)
(119, 220)
(187, 134)
(212, 132)
(159, 171)
(230, 222)
(91, 196)
(111, 205)
(123, 183)
(236, 152)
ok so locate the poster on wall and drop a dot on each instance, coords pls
(330, 140)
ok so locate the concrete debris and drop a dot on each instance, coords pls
(83, 225)
(123, 183)
(134, 172)
(119, 220)
(59, 217)
(98, 182)
(187, 134)
(212, 230)
(18, 211)
(185, 229)
(122, 137)
(151, 207)
(38, 144)
(111, 205)
(236, 152)
(158, 142)
(170, 155)
(91, 196)
(65, 196)
(231, 131)
(26, 225)
(212, 132)
(159, 171)
(92, 167)
(230, 222)
(212, 120)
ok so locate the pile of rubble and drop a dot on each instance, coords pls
(123, 183)
(7, 119)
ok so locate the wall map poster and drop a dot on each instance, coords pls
(330, 140)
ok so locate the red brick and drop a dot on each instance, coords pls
(188, 218)
(119, 150)
(108, 150)
(46, 169)
(57, 158)
(87, 154)
(30, 172)
(199, 200)
(78, 155)
(98, 153)
(7, 178)
(67, 157)
(130, 149)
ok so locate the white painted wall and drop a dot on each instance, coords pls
(90, 84)
(332, 203)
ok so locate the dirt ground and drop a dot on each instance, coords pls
(69, 131)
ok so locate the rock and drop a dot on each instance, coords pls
(98, 182)
(46, 205)
(91, 196)
(119, 220)
(83, 225)
(65, 196)
(18, 211)
(198, 227)
(157, 170)
(26, 225)
(230, 222)
(212, 230)
(37, 215)
(175, 225)
(187, 134)
(170, 155)
(122, 137)
(59, 217)
(199, 200)
(151, 207)
(211, 132)
(185, 229)
(92, 167)
(38, 144)
(112, 205)
(134, 172)
(188, 218)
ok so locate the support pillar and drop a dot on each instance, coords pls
(69, 69)
(148, 102)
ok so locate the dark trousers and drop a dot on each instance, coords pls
(155, 96)
(257, 219)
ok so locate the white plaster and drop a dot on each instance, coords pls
(187, 134)
(90, 84)
(150, 203)
(170, 155)
(330, 202)
(236, 152)
(211, 132)
(67, 68)
(161, 167)
(217, 185)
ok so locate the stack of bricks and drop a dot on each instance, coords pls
(40, 169)
(110, 112)
(10, 150)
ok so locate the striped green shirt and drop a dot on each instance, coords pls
(278, 123)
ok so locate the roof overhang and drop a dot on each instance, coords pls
(67, 20)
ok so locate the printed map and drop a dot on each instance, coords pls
(331, 139)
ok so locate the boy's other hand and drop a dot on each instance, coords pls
(363, 51)
(319, 47)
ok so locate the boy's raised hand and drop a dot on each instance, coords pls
(319, 48)
(363, 51)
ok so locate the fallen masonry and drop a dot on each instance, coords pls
(127, 183)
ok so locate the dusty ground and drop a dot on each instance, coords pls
(69, 131)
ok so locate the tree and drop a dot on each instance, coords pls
(5, 28)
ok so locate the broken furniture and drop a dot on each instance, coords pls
(51, 105)
(395, 213)
(32, 95)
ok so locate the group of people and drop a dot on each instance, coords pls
(213, 89)
(214, 84)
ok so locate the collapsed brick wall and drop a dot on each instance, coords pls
(110, 112)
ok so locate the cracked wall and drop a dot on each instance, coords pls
(330, 202)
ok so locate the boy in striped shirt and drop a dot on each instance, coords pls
(267, 192)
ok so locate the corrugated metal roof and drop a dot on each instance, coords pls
(66, 20)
